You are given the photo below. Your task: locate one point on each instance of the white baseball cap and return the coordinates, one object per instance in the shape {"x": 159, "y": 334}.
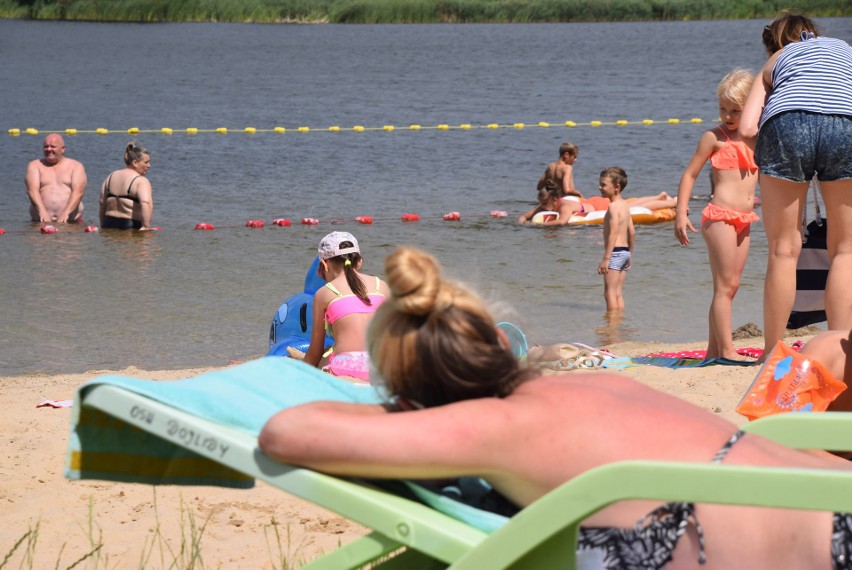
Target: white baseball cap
{"x": 330, "y": 246}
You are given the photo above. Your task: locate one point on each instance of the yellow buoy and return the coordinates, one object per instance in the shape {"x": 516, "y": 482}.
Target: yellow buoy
{"x": 222, "y": 130}
{"x": 192, "y": 131}
{"x": 596, "y": 123}
{"x": 358, "y": 128}
{"x": 464, "y": 126}
{"x": 304, "y": 129}
{"x": 543, "y": 124}
{"x": 250, "y": 130}
{"x": 695, "y": 120}
{"x": 14, "y": 132}
{"x": 443, "y": 127}
{"x": 32, "y": 131}
{"x": 674, "y": 121}
{"x": 166, "y": 131}
{"x": 101, "y": 131}
{"x": 493, "y": 126}
{"x": 280, "y": 130}
{"x": 388, "y": 128}
{"x": 70, "y": 131}
{"x": 622, "y": 122}
{"x": 647, "y": 121}
{"x": 133, "y": 130}
{"x": 334, "y": 129}
{"x": 519, "y": 125}
{"x": 570, "y": 124}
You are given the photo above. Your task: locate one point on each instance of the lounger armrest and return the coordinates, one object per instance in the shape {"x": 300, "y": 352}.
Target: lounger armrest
{"x": 814, "y": 430}
{"x": 546, "y": 531}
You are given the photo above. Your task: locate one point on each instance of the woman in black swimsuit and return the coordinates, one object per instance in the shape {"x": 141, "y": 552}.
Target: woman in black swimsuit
{"x": 463, "y": 405}
{"x": 125, "y": 201}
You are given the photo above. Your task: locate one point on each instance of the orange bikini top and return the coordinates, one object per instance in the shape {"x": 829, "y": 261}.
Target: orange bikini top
{"x": 734, "y": 155}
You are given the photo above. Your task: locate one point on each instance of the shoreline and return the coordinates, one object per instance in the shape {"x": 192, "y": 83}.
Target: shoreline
{"x": 237, "y": 527}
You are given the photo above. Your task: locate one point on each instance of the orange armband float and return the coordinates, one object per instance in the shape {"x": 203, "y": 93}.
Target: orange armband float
{"x": 789, "y": 382}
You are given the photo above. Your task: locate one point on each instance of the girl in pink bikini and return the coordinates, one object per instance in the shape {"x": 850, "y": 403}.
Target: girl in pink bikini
{"x": 345, "y": 305}
{"x": 726, "y": 221}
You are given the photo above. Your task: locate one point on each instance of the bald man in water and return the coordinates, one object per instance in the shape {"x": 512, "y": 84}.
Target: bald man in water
{"x": 55, "y": 184}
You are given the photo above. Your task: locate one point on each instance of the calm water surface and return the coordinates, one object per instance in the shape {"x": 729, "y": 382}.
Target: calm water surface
{"x": 76, "y": 301}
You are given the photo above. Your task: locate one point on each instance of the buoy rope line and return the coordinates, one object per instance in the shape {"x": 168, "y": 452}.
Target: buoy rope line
{"x": 286, "y": 222}
{"x": 15, "y": 132}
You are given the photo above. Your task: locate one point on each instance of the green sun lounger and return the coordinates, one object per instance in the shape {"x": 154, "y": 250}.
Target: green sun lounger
{"x": 174, "y": 436}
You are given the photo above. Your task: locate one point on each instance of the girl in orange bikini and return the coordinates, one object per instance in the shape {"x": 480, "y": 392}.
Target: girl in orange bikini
{"x": 726, "y": 221}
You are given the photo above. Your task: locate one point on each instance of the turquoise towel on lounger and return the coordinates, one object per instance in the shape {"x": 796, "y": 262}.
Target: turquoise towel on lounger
{"x": 245, "y": 397}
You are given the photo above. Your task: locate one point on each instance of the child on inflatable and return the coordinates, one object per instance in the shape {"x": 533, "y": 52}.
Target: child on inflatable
{"x": 550, "y": 201}
{"x": 345, "y": 305}
{"x": 726, "y": 221}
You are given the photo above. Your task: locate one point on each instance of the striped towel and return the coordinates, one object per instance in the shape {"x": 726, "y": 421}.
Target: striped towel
{"x": 244, "y": 397}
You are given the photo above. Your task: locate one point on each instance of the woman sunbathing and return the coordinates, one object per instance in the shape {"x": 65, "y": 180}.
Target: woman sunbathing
{"x": 471, "y": 409}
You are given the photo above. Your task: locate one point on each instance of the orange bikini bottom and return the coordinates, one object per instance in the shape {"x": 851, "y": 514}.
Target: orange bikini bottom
{"x": 740, "y": 220}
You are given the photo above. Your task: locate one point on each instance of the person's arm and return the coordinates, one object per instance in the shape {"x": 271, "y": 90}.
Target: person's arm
{"x": 146, "y": 202}
{"x": 687, "y": 181}
{"x": 755, "y": 102}
{"x": 33, "y": 182}
{"x": 315, "y": 351}
{"x": 364, "y": 441}
{"x": 543, "y": 180}
{"x": 102, "y": 198}
{"x": 78, "y": 187}
{"x": 610, "y": 232}
{"x": 529, "y": 215}
{"x": 568, "y": 188}
{"x": 631, "y": 239}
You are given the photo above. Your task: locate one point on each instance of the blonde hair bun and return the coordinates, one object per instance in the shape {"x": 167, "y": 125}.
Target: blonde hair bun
{"x": 415, "y": 279}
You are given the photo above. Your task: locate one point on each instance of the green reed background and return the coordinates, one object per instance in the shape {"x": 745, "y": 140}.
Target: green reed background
{"x": 410, "y": 11}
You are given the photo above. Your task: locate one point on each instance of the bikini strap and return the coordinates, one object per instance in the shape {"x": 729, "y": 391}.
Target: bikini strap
{"x": 377, "y": 285}
{"x": 129, "y": 186}
{"x": 721, "y": 130}
{"x": 720, "y": 455}
{"x": 333, "y": 289}
{"x": 108, "y": 186}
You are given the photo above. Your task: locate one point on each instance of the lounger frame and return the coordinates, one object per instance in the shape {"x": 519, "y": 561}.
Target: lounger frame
{"x": 407, "y": 534}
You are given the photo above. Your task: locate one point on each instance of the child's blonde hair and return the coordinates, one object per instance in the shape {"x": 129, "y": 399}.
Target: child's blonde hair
{"x": 433, "y": 341}
{"x": 735, "y": 86}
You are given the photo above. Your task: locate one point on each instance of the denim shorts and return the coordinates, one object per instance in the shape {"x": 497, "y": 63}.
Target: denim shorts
{"x": 797, "y": 144}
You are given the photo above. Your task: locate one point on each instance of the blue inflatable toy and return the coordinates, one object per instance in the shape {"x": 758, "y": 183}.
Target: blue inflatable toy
{"x": 291, "y": 324}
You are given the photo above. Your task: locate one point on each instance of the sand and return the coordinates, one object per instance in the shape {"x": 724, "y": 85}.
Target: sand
{"x": 138, "y": 521}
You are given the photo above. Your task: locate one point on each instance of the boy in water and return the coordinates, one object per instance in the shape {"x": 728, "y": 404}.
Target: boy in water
{"x": 619, "y": 237}
{"x": 561, "y": 171}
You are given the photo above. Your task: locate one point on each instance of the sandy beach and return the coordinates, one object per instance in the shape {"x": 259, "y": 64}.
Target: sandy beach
{"x": 144, "y": 526}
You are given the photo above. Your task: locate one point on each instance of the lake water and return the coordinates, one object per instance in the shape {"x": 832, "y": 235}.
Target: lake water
{"x": 76, "y": 301}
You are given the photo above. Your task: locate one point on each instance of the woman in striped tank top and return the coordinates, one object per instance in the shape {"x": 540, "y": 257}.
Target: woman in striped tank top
{"x": 801, "y": 103}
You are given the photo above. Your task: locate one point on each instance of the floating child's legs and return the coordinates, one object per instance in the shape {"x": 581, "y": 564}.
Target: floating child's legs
{"x": 661, "y": 200}
{"x": 727, "y": 250}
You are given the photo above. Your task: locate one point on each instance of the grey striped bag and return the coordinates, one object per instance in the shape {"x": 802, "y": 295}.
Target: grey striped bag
{"x": 811, "y": 272}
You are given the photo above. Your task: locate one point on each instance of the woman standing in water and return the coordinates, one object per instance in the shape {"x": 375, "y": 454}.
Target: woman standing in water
{"x": 126, "y": 202}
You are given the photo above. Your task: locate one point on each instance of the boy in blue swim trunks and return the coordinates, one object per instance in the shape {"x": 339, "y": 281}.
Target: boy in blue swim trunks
{"x": 619, "y": 237}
